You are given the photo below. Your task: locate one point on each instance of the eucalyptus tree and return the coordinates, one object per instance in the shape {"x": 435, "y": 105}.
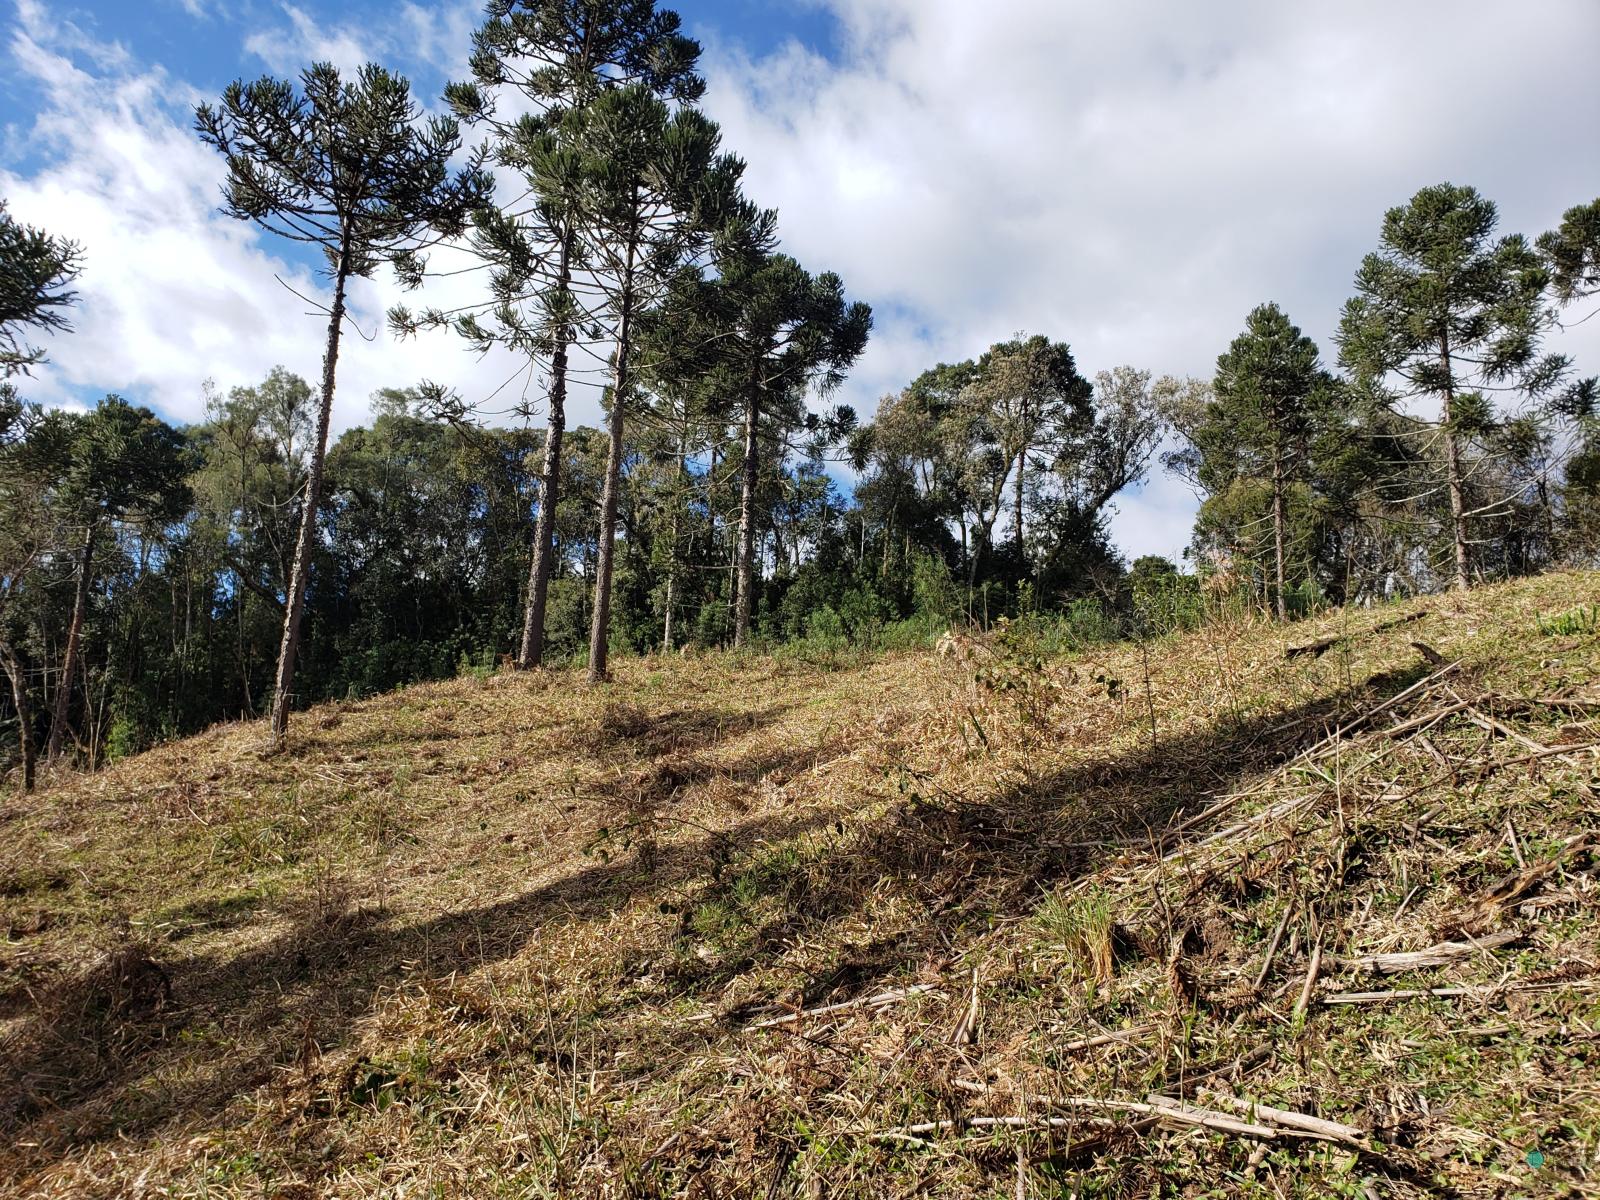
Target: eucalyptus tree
{"x": 1127, "y": 421}
{"x": 553, "y": 57}
{"x": 1032, "y": 398}
{"x": 656, "y": 189}
{"x": 1447, "y": 312}
{"x": 1272, "y": 399}
{"x": 35, "y": 446}
{"x": 969, "y": 446}
{"x": 123, "y": 465}
{"x": 36, "y": 273}
{"x": 349, "y": 169}
{"x": 908, "y": 481}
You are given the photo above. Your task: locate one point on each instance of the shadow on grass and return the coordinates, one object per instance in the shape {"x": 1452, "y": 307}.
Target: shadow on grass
{"x": 964, "y": 862}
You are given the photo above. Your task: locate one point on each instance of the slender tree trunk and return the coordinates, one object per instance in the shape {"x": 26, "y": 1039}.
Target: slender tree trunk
{"x": 600, "y": 629}
{"x": 966, "y": 561}
{"x": 1547, "y": 514}
{"x": 1452, "y": 458}
{"x": 672, "y": 547}
{"x": 1277, "y": 531}
{"x": 300, "y": 573}
{"x": 542, "y": 567}
{"x": 19, "y": 701}
{"x": 1022, "y": 468}
{"x": 747, "y": 521}
{"x": 80, "y": 604}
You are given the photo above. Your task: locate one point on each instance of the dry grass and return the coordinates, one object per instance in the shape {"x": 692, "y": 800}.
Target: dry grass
{"x": 520, "y": 937}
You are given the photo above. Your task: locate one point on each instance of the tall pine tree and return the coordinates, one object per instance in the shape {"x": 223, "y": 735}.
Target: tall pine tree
{"x": 1271, "y": 401}
{"x": 349, "y": 169}
{"x": 1447, "y": 312}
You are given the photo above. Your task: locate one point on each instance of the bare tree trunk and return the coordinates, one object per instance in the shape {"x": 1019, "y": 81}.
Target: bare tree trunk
{"x": 301, "y": 572}
{"x": 1277, "y": 531}
{"x": 80, "y": 603}
{"x": 600, "y": 629}
{"x": 19, "y": 701}
{"x": 1022, "y": 469}
{"x": 542, "y": 567}
{"x": 747, "y": 522}
{"x": 672, "y": 548}
{"x": 1452, "y": 458}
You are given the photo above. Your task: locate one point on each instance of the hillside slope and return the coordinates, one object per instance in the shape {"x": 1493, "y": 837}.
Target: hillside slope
{"x": 986, "y": 922}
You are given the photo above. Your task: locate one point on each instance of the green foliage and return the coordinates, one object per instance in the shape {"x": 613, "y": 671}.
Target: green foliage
{"x": 1572, "y": 253}
{"x": 1082, "y": 927}
{"x": 347, "y": 166}
{"x": 1447, "y": 311}
{"x": 1585, "y": 619}
{"x": 36, "y": 271}
{"x": 1164, "y": 601}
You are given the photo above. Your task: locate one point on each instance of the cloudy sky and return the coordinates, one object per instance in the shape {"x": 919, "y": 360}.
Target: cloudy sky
{"x": 1129, "y": 177}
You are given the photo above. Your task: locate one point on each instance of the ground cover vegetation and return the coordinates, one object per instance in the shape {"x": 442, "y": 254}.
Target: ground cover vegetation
{"x": 1250, "y": 910}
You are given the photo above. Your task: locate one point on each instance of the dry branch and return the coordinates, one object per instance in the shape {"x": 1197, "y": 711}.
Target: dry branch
{"x": 880, "y": 1000}
{"x": 1441, "y": 955}
{"x": 1322, "y": 645}
{"x": 1485, "y": 991}
{"x": 1333, "y": 1130}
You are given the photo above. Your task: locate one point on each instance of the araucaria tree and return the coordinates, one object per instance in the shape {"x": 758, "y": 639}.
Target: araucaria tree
{"x": 348, "y": 168}
{"x": 1272, "y": 399}
{"x": 1572, "y": 253}
{"x": 35, "y": 271}
{"x": 555, "y": 57}
{"x": 655, "y": 191}
{"x": 777, "y": 332}
{"x": 1447, "y": 313}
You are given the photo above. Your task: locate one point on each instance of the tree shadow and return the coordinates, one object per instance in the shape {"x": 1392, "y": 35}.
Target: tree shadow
{"x": 970, "y": 861}
{"x": 965, "y": 860}
{"x": 85, "y": 1063}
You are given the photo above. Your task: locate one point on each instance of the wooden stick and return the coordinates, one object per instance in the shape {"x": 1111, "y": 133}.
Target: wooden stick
{"x": 967, "y": 1027}
{"x": 880, "y": 1000}
{"x": 1452, "y": 993}
{"x": 1161, "y": 1108}
{"x": 1294, "y": 1120}
{"x": 1272, "y": 948}
{"x": 1311, "y": 982}
{"x": 1516, "y": 846}
{"x": 1485, "y": 721}
{"x": 1104, "y": 1039}
{"x": 1205, "y": 1118}
{"x": 1440, "y": 955}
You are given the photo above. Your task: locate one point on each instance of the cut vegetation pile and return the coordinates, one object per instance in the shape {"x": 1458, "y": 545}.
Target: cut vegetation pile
{"x": 1201, "y": 916}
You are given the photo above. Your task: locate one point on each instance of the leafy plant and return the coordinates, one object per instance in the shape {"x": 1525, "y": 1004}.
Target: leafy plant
{"x": 1583, "y": 619}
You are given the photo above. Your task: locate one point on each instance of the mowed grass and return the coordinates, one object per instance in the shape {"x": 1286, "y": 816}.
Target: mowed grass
{"x": 517, "y": 936}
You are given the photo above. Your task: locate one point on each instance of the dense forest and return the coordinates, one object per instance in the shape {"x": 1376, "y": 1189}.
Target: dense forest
{"x": 155, "y": 580}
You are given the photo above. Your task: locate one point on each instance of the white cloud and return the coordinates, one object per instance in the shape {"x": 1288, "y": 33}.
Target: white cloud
{"x": 1134, "y": 178}
{"x": 172, "y": 291}
{"x": 437, "y": 36}
{"x": 288, "y": 49}
{"x": 1131, "y": 178}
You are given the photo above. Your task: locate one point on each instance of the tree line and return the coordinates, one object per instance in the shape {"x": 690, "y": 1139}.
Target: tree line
{"x": 154, "y": 580}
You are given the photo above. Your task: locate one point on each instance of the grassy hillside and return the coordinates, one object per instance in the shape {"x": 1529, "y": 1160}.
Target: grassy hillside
{"x": 987, "y": 922}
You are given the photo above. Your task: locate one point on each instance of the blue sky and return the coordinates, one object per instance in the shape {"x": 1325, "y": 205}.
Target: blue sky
{"x": 1131, "y": 178}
